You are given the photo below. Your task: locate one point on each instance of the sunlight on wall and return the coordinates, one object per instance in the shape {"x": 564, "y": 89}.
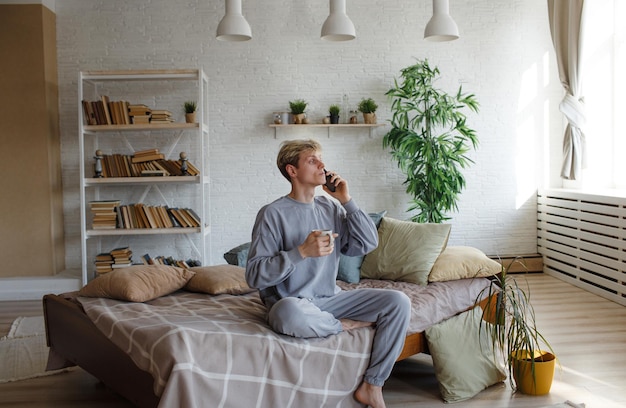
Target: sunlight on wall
{"x": 545, "y": 131}
{"x": 527, "y": 129}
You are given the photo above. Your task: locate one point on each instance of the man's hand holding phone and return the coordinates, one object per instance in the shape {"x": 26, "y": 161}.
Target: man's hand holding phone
{"x": 337, "y": 187}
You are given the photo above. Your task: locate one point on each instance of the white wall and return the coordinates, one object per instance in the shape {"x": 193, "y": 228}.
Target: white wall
{"x": 503, "y": 56}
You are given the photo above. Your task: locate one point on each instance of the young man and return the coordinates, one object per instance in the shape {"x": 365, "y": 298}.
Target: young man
{"x": 295, "y": 267}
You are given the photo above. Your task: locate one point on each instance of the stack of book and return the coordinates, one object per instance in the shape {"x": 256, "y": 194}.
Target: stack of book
{"x": 104, "y": 214}
{"x": 161, "y": 116}
{"x": 122, "y": 257}
{"x": 104, "y": 262}
{"x": 139, "y": 114}
{"x": 142, "y": 156}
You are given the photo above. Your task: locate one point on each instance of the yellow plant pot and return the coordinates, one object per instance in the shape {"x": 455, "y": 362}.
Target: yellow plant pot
{"x": 543, "y": 366}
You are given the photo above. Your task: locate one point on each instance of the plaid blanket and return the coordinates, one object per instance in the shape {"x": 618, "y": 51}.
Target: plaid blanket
{"x": 218, "y": 351}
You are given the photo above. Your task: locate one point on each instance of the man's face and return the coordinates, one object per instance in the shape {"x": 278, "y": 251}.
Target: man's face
{"x": 310, "y": 168}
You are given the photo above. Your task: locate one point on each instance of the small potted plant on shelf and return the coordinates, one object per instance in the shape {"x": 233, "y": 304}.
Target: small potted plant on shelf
{"x": 333, "y": 110}
{"x": 368, "y": 107}
{"x": 525, "y": 352}
{"x": 298, "y": 107}
{"x": 190, "y": 111}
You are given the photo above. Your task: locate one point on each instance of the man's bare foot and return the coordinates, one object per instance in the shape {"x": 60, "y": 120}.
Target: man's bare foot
{"x": 370, "y": 395}
{"x": 348, "y": 324}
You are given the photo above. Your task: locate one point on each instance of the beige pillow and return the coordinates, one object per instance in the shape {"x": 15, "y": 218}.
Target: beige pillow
{"x": 138, "y": 283}
{"x": 462, "y": 262}
{"x": 219, "y": 279}
{"x": 406, "y": 251}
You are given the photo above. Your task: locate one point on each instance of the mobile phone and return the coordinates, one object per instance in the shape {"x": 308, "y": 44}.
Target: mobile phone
{"x": 329, "y": 185}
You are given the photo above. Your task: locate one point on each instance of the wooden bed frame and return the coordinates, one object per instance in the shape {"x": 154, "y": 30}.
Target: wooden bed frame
{"x": 73, "y": 339}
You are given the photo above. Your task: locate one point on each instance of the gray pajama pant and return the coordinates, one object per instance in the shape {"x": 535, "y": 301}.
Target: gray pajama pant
{"x": 390, "y": 310}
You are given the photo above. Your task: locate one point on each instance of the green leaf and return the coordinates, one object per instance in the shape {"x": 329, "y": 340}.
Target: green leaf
{"x": 429, "y": 139}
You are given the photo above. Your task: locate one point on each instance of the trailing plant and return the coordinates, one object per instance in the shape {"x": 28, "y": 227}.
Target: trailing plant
{"x": 513, "y": 334}
{"x": 190, "y": 106}
{"x": 429, "y": 138}
{"x": 297, "y": 106}
{"x": 334, "y": 110}
{"x": 367, "y": 105}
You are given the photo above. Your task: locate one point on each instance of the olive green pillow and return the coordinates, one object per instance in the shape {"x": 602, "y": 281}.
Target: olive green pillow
{"x": 463, "y": 356}
{"x": 138, "y": 283}
{"x": 463, "y": 262}
{"x": 406, "y": 251}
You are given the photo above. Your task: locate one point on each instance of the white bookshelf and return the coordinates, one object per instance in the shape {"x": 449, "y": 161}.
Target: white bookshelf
{"x": 158, "y": 89}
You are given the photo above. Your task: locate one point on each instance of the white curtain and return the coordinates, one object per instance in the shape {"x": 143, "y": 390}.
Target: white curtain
{"x": 566, "y": 18}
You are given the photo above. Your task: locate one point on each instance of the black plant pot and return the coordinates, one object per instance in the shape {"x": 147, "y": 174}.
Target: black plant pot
{"x": 334, "y": 119}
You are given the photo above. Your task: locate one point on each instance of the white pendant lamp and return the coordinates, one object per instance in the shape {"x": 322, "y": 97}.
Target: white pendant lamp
{"x": 233, "y": 26}
{"x": 441, "y": 26}
{"x": 338, "y": 26}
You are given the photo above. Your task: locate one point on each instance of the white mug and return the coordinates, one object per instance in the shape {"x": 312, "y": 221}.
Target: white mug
{"x": 327, "y": 232}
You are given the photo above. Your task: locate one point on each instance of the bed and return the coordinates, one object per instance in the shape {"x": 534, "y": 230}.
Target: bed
{"x": 231, "y": 357}
{"x": 199, "y": 337}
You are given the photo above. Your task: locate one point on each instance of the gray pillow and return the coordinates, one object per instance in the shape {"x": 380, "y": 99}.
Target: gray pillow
{"x": 238, "y": 255}
{"x": 350, "y": 266}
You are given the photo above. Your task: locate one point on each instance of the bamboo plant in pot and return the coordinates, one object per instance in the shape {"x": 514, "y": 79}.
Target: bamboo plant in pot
{"x": 430, "y": 140}
{"x": 525, "y": 352}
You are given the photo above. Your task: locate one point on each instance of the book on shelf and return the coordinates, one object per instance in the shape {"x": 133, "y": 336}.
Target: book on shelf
{"x": 137, "y": 110}
{"x": 140, "y": 120}
{"x": 127, "y": 119}
{"x": 161, "y": 116}
{"x": 121, "y": 257}
{"x": 147, "y": 157}
{"x": 88, "y": 113}
{"x": 107, "y": 113}
{"x": 104, "y": 214}
{"x": 146, "y": 152}
{"x": 194, "y": 216}
{"x": 141, "y": 216}
{"x": 104, "y": 204}
{"x": 103, "y": 262}
{"x": 146, "y": 259}
{"x": 108, "y": 261}
{"x": 120, "y": 165}
{"x": 139, "y": 114}
{"x": 154, "y": 173}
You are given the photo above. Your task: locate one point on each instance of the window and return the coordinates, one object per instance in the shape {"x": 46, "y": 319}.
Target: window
{"x": 604, "y": 83}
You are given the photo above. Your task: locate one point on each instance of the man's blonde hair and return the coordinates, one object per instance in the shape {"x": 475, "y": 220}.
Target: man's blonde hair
{"x": 290, "y": 153}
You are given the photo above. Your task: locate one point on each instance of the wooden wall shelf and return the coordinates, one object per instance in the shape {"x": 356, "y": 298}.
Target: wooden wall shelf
{"x": 371, "y": 127}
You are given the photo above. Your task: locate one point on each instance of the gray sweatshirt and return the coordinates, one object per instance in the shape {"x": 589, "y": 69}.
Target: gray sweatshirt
{"x": 274, "y": 264}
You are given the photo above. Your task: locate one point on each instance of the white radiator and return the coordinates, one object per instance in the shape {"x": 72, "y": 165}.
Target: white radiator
{"x": 582, "y": 238}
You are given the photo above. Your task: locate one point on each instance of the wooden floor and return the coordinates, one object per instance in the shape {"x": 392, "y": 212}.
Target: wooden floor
{"x": 587, "y": 332}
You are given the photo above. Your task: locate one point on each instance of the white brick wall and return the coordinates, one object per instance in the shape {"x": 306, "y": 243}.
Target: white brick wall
{"x": 504, "y": 56}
